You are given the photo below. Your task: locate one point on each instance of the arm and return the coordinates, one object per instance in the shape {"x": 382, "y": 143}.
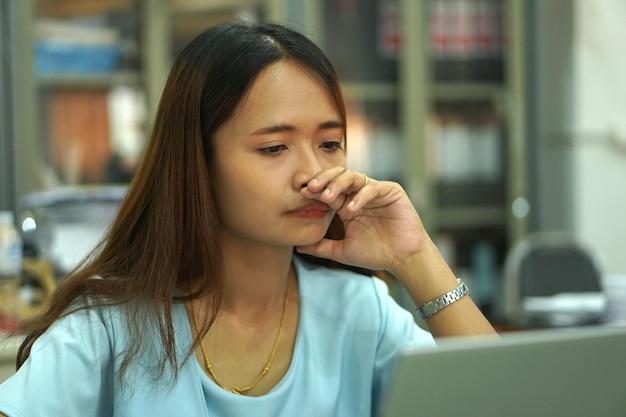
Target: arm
{"x": 383, "y": 231}
{"x": 426, "y": 276}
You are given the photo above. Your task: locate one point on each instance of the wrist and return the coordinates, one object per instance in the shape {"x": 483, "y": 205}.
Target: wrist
{"x": 430, "y": 308}
{"x": 425, "y": 274}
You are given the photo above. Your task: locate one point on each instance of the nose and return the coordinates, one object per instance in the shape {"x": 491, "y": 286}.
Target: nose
{"x": 307, "y": 165}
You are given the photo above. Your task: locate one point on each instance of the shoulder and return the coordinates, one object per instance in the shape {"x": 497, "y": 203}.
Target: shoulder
{"x": 83, "y": 330}
{"x": 81, "y": 321}
{"x": 103, "y": 330}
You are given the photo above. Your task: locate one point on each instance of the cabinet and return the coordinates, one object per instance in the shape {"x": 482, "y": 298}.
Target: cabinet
{"x": 474, "y": 212}
{"x": 98, "y": 70}
{"x": 474, "y": 209}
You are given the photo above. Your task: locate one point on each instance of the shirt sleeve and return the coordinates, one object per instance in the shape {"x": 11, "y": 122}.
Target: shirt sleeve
{"x": 398, "y": 330}
{"x": 66, "y": 374}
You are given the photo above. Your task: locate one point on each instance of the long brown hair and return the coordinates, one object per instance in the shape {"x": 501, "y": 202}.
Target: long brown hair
{"x": 163, "y": 248}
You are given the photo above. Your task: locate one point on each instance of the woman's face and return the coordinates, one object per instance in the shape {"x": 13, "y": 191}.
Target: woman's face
{"x": 284, "y": 131}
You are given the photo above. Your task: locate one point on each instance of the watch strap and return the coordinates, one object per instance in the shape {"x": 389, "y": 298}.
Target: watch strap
{"x": 433, "y": 306}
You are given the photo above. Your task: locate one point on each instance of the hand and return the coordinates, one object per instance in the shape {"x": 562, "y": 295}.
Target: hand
{"x": 384, "y": 232}
{"x": 381, "y": 225}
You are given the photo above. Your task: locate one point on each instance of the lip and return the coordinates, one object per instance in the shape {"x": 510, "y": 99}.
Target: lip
{"x": 313, "y": 210}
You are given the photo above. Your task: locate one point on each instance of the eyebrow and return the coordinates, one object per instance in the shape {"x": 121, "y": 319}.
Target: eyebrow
{"x": 331, "y": 124}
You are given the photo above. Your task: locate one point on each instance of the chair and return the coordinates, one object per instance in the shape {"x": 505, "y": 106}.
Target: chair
{"x": 551, "y": 279}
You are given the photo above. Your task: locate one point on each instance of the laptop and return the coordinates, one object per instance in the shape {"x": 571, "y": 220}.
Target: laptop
{"x": 566, "y": 373}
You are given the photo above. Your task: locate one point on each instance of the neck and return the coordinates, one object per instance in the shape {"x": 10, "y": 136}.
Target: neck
{"x": 255, "y": 279}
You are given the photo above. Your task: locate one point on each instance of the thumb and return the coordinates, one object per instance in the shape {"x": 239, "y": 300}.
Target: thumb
{"x": 325, "y": 248}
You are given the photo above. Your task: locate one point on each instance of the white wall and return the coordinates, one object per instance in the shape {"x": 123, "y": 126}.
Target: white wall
{"x": 599, "y": 129}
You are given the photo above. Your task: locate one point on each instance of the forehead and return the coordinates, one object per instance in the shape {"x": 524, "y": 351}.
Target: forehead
{"x": 285, "y": 87}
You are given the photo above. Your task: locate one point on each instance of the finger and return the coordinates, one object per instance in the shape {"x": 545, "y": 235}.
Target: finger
{"x": 332, "y": 186}
{"x": 352, "y": 188}
{"x": 320, "y": 181}
{"x": 366, "y": 194}
{"x": 347, "y": 182}
{"x": 334, "y": 203}
{"x": 325, "y": 248}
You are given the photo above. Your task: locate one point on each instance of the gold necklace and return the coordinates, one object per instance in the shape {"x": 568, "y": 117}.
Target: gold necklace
{"x": 266, "y": 368}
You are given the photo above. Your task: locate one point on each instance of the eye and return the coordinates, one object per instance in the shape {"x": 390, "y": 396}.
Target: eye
{"x": 332, "y": 145}
{"x": 273, "y": 150}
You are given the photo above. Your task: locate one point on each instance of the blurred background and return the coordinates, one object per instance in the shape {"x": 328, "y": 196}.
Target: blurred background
{"x": 503, "y": 119}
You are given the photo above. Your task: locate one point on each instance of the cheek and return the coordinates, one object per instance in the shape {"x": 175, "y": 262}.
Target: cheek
{"x": 226, "y": 184}
{"x": 238, "y": 185}
{"x": 236, "y": 202}
{"x": 338, "y": 159}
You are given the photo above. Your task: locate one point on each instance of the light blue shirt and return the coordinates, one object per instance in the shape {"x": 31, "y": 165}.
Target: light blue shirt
{"x": 349, "y": 333}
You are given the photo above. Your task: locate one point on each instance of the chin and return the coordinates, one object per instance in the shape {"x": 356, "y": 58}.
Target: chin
{"x": 310, "y": 237}
{"x": 309, "y": 241}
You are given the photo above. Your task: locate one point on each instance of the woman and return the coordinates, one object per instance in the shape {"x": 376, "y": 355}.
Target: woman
{"x": 195, "y": 303}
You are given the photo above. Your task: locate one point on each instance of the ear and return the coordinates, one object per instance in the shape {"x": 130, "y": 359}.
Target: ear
{"x": 335, "y": 229}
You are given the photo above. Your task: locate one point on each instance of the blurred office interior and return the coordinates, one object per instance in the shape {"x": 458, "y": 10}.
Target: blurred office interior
{"x": 503, "y": 119}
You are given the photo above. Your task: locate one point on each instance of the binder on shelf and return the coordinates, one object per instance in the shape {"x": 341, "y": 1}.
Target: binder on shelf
{"x": 467, "y": 40}
{"x": 466, "y": 152}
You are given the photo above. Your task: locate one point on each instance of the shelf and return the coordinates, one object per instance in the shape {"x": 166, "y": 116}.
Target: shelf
{"x": 370, "y": 91}
{"x": 89, "y": 81}
{"x": 185, "y": 7}
{"x": 467, "y": 91}
{"x": 470, "y": 216}
{"x": 66, "y": 8}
